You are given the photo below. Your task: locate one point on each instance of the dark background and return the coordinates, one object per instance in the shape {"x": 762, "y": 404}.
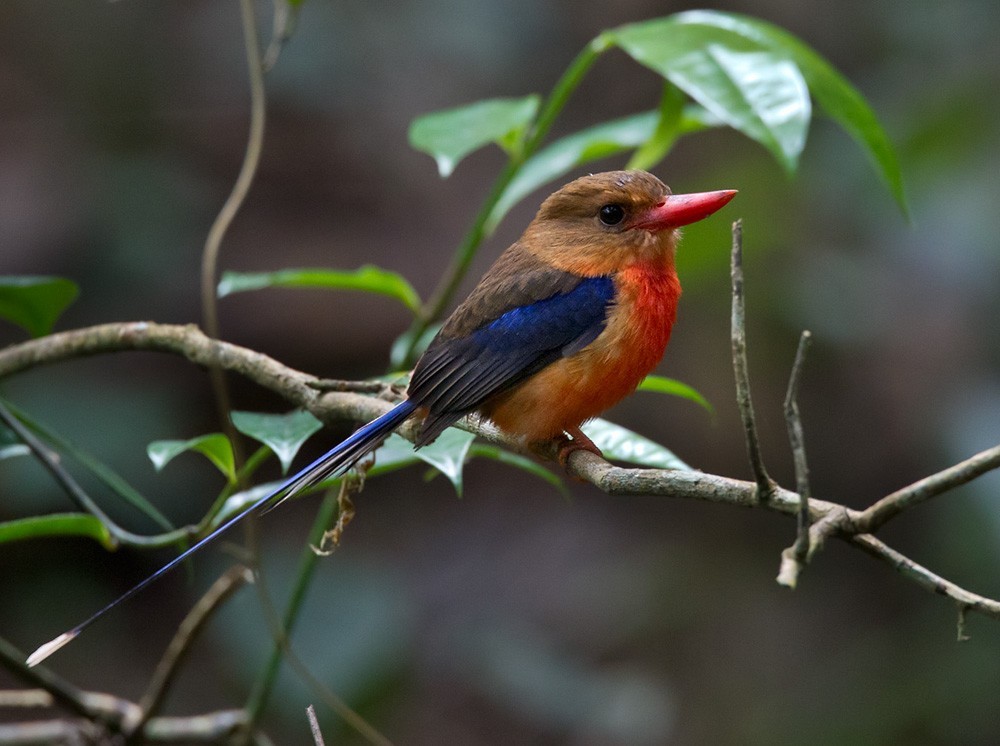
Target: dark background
{"x": 513, "y": 615}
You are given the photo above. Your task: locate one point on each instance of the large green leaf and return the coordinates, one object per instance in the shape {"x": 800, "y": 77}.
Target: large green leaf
{"x": 448, "y": 136}
{"x": 368, "y": 279}
{"x": 59, "y": 524}
{"x": 673, "y": 387}
{"x": 752, "y": 88}
{"x": 587, "y": 145}
{"x": 284, "y": 434}
{"x": 35, "y": 303}
{"x": 215, "y": 447}
{"x": 622, "y": 444}
{"x": 840, "y": 100}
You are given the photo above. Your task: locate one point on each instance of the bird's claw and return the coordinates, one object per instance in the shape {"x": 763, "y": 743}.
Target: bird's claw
{"x": 578, "y": 442}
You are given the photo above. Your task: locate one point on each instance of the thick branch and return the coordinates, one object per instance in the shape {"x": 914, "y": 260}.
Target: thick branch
{"x": 827, "y": 518}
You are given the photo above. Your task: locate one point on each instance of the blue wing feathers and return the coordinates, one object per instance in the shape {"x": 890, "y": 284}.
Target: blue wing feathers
{"x": 457, "y": 375}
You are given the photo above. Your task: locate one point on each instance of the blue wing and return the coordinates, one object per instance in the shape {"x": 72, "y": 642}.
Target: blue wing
{"x": 456, "y": 375}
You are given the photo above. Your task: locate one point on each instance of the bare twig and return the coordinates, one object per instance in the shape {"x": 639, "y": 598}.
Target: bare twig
{"x": 794, "y": 557}
{"x": 227, "y": 584}
{"x": 892, "y": 505}
{"x": 765, "y": 485}
{"x": 317, "y": 734}
{"x": 213, "y": 242}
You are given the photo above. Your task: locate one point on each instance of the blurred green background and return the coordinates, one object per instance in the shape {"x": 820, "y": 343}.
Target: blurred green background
{"x": 514, "y": 615}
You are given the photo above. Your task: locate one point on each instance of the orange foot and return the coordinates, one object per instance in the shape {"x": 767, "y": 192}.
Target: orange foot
{"x": 579, "y": 442}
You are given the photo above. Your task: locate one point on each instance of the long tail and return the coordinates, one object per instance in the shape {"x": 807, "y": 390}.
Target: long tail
{"x": 339, "y": 458}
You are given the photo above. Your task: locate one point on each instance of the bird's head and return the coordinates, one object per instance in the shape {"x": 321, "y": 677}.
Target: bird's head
{"x": 602, "y": 222}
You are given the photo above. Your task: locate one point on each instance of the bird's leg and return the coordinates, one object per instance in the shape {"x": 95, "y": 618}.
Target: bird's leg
{"x": 575, "y": 440}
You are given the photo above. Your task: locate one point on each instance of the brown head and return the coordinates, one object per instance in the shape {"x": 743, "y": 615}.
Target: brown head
{"x": 600, "y": 223}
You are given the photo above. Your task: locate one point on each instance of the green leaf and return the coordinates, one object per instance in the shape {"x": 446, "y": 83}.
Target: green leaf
{"x": 448, "y": 136}
{"x": 755, "y": 90}
{"x": 284, "y": 434}
{"x": 447, "y": 454}
{"x": 521, "y": 462}
{"x": 368, "y": 279}
{"x": 624, "y": 445}
{"x": 215, "y": 447}
{"x": 841, "y": 101}
{"x": 673, "y": 387}
{"x": 59, "y": 524}
{"x": 10, "y": 444}
{"x": 590, "y": 144}
{"x": 655, "y": 149}
{"x": 35, "y": 303}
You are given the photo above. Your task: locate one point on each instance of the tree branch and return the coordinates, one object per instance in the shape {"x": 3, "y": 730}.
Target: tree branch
{"x": 765, "y": 485}
{"x": 827, "y": 518}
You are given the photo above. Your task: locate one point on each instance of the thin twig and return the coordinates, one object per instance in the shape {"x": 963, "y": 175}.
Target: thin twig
{"x": 67, "y": 695}
{"x": 317, "y": 734}
{"x": 282, "y": 628}
{"x": 213, "y": 242}
{"x": 765, "y": 485}
{"x": 51, "y": 460}
{"x": 794, "y": 557}
{"x": 891, "y": 505}
{"x": 227, "y": 584}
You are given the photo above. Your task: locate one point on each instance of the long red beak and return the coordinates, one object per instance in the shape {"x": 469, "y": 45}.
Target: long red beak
{"x": 682, "y": 209}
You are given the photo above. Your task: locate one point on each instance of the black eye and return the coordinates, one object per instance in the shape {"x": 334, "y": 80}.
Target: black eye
{"x": 611, "y": 214}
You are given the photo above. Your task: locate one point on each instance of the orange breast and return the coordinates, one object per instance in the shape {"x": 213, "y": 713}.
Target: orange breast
{"x": 580, "y": 387}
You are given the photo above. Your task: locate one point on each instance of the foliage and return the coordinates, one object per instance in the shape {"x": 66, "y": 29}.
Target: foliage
{"x": 718, "y": 70}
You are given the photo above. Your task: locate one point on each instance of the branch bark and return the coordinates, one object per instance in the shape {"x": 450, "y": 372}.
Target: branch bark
{"x": 827, "y": 518}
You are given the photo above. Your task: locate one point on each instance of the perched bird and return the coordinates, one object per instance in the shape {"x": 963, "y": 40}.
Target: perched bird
{"x": 566, "y": 323}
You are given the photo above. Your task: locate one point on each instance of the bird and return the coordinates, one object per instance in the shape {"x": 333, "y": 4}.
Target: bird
{"x": 566, "y": 323}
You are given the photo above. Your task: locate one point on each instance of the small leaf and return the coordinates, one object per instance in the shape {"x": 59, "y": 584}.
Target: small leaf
{"x": 35, "y": 303}
{"x": 395, "y": 453}
{"x": 215, "y": 447}
{"x": 619, "y": 443}
{"x": 59, "y": 524}
{"x": 753, "y": 89}
{"x": 16, "y": 449}
{"x": 284, "y": 434}
{"x": 10, "y": 444}
{"x": 448, "y": 136}
{"x": 447, "y": 454}
{"x": 367, "y": 279}
{"x": 521, "y": 462}
{"x": 587, "y": 145}
{"x": 673, "y": 387}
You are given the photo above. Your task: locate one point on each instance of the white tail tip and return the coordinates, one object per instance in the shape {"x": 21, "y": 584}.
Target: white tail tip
{"x": 50, "y": 647}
